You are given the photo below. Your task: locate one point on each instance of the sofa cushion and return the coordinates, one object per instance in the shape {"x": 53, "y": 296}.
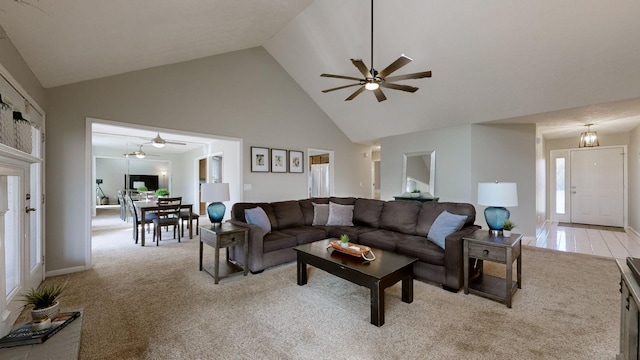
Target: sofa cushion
{"x": 366, "y": 212}
{"x": 431, "y": 210}
{"x": 383, "y": 239}
{"x": 446, "y": 223}
{"x": 307, "y": 210}
{"x": 237, "y": 212}
{"x": 277, "y": 240}
{"x": 306, "y": 234}
{"x": 340, "y": 215}
{"x": 400, "y": 216}
{"x": 258, "y": 217}
{"x": 320, "y": 214}
{"x": 424, "y": 250}
{"x": 288, "y": 214}
{"x": 352, "y": 231}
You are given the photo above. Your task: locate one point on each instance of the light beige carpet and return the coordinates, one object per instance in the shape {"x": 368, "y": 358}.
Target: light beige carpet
{"x": 153, "y": 303}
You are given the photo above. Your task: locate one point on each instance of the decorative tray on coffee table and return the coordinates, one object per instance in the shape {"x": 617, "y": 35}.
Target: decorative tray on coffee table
{"x": 354, "y": 250}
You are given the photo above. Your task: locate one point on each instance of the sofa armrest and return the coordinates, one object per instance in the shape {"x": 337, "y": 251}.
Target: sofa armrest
{"x": 256, "y": 237}
{"x": 454, "y": 267}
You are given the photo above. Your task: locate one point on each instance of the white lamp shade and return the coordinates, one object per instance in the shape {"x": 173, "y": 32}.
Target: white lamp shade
{"x": 498, "y": 194}
{"x": 214, "y": 192}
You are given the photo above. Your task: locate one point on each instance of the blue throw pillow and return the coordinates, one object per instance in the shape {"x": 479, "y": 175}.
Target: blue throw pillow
{"x": 446, "y": 223}
{"x": 258, "y": 217}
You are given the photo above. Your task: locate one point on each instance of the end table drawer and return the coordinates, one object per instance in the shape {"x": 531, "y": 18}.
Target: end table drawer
{"x": 487, "y": 252}
{"x": 231, "y": 239}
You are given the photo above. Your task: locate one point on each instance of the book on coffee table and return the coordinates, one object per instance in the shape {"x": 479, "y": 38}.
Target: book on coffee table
{"x": 24, "y": 335}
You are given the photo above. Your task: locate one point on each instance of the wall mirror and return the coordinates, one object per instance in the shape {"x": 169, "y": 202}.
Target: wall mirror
{"x": 419, "y": 172}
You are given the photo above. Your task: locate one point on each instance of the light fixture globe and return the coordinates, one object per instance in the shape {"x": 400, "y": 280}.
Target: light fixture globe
{"x": 158, "y": 142}
{"x": 371, "y": 85}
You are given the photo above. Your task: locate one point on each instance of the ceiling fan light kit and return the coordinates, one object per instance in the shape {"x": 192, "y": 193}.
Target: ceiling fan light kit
{"x": 374, "y": 80}
{"x": 159, "y": 142}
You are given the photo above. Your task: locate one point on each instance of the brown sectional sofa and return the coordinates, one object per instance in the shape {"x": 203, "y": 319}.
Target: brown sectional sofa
{"x": 399, "y": 226}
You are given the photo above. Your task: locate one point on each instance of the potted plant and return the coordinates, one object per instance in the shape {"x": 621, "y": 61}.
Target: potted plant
{"x": 44, "y": 300}
{"x": 344, "y": 240}
{"x": 142, "y": 188}
{"x": 415, "y": 193}
{"x": 507, "y": 226}
{"x": 162, "y": 192}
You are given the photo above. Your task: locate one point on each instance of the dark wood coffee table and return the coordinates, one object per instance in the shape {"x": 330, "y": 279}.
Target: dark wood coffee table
{"x": 387, "y": 269}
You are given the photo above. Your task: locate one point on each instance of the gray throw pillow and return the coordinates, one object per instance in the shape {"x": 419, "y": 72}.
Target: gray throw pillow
{"x": 258, "y": 217}
{"x": 340, "y": 215}
{"x": 320, "y": 214}
{"x": 446, "y": 223}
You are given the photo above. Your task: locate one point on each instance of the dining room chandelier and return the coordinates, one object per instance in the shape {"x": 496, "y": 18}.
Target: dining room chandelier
{"x": 589, "y": 138}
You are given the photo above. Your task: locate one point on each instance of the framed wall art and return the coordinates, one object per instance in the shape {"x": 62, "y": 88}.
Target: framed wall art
{"x": 259, "y": 159}
{"x": 296, "y": 161}
{"x": 278, "y": 160}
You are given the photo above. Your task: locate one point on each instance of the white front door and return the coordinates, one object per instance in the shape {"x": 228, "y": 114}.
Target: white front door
{"x": 597, "y": 186}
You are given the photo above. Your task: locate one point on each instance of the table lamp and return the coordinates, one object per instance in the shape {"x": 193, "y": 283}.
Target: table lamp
{"x": 215, "y": 194}
{"x": 497, "y": 196}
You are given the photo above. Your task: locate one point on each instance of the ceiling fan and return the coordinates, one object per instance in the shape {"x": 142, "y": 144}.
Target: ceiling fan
{"x": 159, "y": 142}
{"x": 138, "y": 153}
{"x": 374, "y": 80}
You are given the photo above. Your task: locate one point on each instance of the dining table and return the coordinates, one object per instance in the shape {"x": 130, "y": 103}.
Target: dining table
{"x": 149, "y": 206}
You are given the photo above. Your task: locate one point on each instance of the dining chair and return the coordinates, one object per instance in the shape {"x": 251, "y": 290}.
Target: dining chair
{"x": 184, "y": 216}
{"x": 123, "y": 206}
{"x": 137, "y": 219}
{"x": 168, "y": 215}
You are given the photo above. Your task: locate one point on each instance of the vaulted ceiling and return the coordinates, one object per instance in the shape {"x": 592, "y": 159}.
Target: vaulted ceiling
{"x": 562, "y": 63}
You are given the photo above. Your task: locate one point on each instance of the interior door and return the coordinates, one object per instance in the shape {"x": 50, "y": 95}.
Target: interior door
{"x": 597, "y": 186}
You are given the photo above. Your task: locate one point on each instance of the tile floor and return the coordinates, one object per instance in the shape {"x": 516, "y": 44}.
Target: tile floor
{"x": 613, "y": 244}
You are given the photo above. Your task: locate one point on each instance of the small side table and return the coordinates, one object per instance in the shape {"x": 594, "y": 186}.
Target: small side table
{"x": 480, "y": 245}
{"x": 224, "y": 236}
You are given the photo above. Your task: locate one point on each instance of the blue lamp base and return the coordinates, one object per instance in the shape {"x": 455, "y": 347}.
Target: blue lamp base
{"x": 216, "y": 212}
{"x": 496, "y": 216}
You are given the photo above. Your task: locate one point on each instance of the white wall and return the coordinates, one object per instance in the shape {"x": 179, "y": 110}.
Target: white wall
{"x": 506, "y": 153}
{"x": 541, "y": 182}
{"x": 452, "y": 165}
{"x": 634, "y": 179}
{"x": 244, "y": 95}
{"x": 466, "y": 155}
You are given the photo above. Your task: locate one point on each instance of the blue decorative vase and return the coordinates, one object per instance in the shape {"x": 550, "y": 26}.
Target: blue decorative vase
{"x": 216, "y": 212}
{"x": 496, "y": 216}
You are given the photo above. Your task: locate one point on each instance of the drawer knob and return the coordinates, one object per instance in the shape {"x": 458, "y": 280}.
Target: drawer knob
{"x": 485, "y": 252}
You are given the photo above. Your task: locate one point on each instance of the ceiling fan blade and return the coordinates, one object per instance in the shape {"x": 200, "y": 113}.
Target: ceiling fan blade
{"x": 418, "y": 75}
{"x": 362, "y": 67}
{"x": 174, "y": 142}
{"x": 379, "y": 95}
{"x": 399, "y": 87}
{"x": 356, "y": 93}
{"x": 340, "y": 87}
{"x": 402, "y": 61}
{"x": 340, "y": 77}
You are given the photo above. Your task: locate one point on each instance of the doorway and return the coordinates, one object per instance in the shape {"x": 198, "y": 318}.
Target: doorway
{"x": 589, "y": 186}
{"x": 320, "y": 181}
{"x": 215, "y": 176}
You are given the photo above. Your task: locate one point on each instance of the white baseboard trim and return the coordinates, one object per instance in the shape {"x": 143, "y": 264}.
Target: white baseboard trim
{"x": 634, "y": 231}
{"x": 65, "y": 271}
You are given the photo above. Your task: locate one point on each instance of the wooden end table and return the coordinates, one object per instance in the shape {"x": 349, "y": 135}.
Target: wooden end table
{"x": 482, "y": 246}
{"x": 224, "y": 236}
